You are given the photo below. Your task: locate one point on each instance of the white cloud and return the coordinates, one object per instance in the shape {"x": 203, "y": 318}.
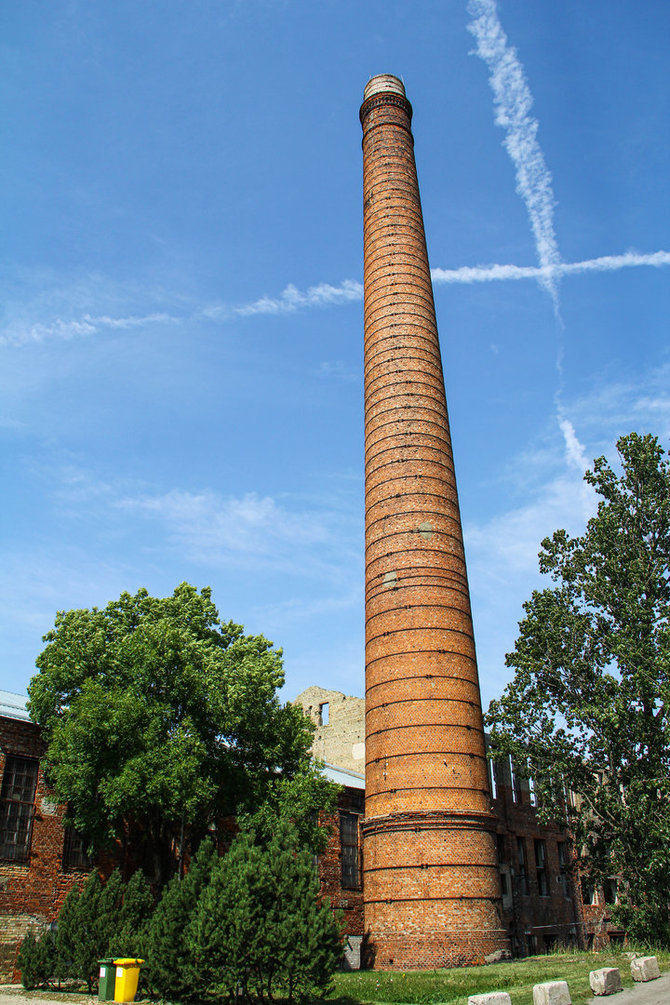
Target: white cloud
{"x": 293, "y": 299}
{"x": 217, "y": 530}
{"x": 513, "y": 101}
{"x": 19, "y": 333}
{"x": 335, "y": 368}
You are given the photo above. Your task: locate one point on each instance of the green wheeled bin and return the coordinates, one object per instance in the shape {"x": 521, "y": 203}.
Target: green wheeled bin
{"x": 107, "y": 980}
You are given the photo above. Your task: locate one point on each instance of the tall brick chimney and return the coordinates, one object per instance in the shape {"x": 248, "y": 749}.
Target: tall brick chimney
{"x": 432, "y": 890}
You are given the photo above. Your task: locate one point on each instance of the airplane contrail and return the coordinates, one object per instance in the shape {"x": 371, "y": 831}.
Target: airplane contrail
{"x": 513, "y": 101}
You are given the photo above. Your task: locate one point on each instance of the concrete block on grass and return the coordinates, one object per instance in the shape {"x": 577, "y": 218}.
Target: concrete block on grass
{"x": 605, "y": 981}
{"x": 551, "y": 993}
{"x": 490, "y": 998}
{"x": 644, "y": 968}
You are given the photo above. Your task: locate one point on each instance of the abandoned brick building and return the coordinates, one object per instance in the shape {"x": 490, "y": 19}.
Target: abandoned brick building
{"x": 542, "y": 903}
{"x": 40, "y": 860}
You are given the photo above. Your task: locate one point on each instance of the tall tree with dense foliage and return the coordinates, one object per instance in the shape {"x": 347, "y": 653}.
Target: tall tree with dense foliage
{"x": 588, "y": 709}
{"x": 160, "y": 720}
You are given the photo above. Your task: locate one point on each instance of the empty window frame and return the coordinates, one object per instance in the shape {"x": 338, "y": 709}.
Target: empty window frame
{"x": 17, "y": 800}
{"x": 493, "y": 781}
{"x": 541, "y": 867}
{"x": 610, "y": 890}
{"x": 515, "y": 782}
{"x": 588, "y": 892}
{"x": 563, "y": 868}
{"x": 521, "y": 859}
{"x": 351, "y": 872}
{"x": 324, "y": 713}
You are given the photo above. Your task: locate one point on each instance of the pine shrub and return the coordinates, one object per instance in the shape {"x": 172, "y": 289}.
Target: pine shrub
{"x": 168, "y": 970}
{"x": 128, "y": 921}
{"x": 259, "y": 928}
{"x": 37, "y": 959}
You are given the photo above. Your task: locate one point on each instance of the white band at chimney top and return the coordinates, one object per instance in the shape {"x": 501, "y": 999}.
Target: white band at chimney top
{"x": 383, "y": 83}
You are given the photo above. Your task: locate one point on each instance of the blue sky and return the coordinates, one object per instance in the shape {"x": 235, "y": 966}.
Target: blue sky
{"x": 181, "y": 321}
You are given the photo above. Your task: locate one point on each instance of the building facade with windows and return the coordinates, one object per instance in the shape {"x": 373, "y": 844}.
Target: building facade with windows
{"x": 40, "y": 859}
{"x": 543, "y": 902}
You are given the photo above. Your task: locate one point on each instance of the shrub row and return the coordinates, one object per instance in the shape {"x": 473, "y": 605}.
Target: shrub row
{"x": 248, "y": 924}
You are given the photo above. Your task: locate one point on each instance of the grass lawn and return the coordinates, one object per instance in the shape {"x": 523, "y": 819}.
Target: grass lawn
{"x": 452, "y": 987}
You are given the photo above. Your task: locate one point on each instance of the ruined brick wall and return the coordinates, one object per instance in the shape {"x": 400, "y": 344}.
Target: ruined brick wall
{"x": 31, "y": 893}
{"x": 541, "y": 899}
{"x": 349, "y": 899}
{"x": 340, "y": 739}
{"x": 432, "y": 890}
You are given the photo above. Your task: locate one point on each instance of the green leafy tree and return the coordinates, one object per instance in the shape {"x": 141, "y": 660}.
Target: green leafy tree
{"x": 160, "y": 720}
{"x": 588, "y": 708}
{"x": 169, "y": 970}
{"x": 259, "y": 927}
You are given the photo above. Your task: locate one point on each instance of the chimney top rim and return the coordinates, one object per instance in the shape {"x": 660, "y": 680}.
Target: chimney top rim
{"x": 384, "y": 83}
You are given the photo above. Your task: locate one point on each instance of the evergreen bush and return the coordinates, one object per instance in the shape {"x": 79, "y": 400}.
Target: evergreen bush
{"x": 64, "y": 948}
{"x": 101, "y": 921}
{"x": 168, "y": 970}
{"x": 128, "y": 921}
{"x": 259, "y": 928}
{"x": 37, "y": 959}
{"x": 83, "y": 935}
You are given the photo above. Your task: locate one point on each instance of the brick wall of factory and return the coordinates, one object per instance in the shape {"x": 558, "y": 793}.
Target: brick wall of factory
{"x": 31, "y": 892}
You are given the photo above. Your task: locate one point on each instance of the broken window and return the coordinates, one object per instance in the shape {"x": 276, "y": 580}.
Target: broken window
{"x": 515, "y": 782}
{"x": 563, "y": 868}
{"x": 521, "y": 856}
{"x": 17, "y": 799}
{"x": 610, "y": 890}
{"x": 351, "y": 873}
{"x": 75, "y": 855}
{"x": 541, "y": 867}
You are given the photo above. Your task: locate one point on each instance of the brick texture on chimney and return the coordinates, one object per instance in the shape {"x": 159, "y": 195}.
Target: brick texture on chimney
{"x": 431, "y": 883}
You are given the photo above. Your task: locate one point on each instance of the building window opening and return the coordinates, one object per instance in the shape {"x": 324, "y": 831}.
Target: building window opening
{"x": 588, "y": 892}
{"x": 515, "y": 782}
{"x": 17, "y": 801}
{"x": 351, "y": 873}
{"x": 610, "y": 890}
{"x": 324, "y": 713}
{"x": 563, "y": 867}
{"x": 75, "y": 855}
{"x": 541, "y": 868}
{"x": 521, "y": 858}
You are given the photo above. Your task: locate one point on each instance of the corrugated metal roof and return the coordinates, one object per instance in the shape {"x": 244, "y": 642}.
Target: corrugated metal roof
{"x": 13, "y": 706}
{"x": 341, "y": 776}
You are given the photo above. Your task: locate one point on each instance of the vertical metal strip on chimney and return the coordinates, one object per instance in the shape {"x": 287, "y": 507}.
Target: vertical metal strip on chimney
{"x": 432, "y": 893}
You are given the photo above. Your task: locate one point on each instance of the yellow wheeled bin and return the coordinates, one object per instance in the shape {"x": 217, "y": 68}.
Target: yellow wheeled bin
{"x": 127, "y": 976}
